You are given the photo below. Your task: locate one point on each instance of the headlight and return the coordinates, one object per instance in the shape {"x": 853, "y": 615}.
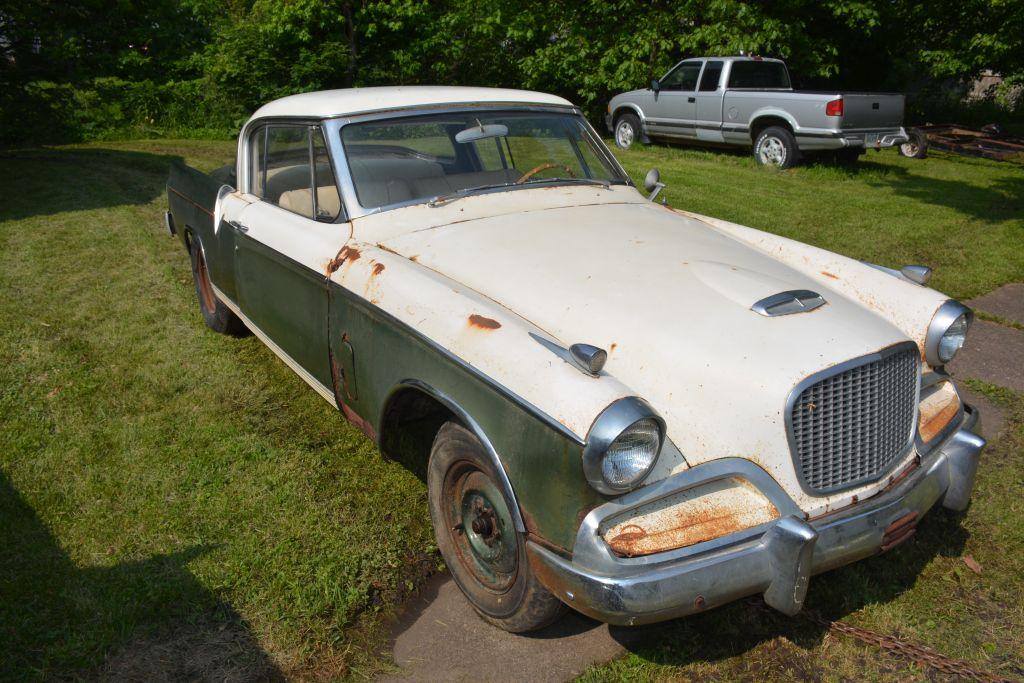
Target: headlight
{"x": 622, "y": 446}
{"x": 947, "y": 333}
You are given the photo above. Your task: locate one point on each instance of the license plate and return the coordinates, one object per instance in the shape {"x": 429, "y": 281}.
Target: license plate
{"x": 871, "y": 139}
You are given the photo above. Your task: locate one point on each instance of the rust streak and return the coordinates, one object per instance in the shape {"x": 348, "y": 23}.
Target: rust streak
{"x": 378, "y": 269}
{"x": 828, "y": 274}
{"x": 483, "y": 323}
{"x": 346, "y": 253}
{"x": 414, "y": 258}
{"x": 686, "y": 528}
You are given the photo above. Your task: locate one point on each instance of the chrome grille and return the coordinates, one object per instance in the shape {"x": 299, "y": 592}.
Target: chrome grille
{"x": 850, "y": 426}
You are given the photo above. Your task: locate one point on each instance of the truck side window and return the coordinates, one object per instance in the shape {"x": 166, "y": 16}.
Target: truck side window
{"x": 683, "y": 77}
{"x": 711, "y": 76}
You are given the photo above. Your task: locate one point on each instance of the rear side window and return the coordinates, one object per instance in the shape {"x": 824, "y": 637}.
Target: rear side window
{"x": 759, "y": 75}
{"x": 709, "y": 79}
{"x": 291, "y": 169}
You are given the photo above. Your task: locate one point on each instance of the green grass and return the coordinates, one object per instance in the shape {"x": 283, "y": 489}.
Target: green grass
{"x": 161, "y": 485}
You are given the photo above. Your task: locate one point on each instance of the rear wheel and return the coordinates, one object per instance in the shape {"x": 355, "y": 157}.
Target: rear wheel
{"x": 477, "y": 536}
{"x": 776, "y": 146}
{"x": 217, "y": 316}
{"x": 627, "y": 131}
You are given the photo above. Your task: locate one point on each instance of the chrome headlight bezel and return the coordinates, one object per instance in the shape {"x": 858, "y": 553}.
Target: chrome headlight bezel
{"x": 609, "y": 425}
{"x": 944, "y": 319}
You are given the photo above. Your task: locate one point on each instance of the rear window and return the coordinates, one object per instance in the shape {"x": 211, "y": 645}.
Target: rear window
{"x": 709, "y": 79}
{"x": 759, "y": 75}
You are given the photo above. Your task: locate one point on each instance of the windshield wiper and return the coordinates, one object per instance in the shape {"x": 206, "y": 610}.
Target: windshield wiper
{"x": 442, "y": 199}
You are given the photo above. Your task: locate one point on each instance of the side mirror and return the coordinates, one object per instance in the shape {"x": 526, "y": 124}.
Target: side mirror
{"x": 655, "y": 85}
{"x": 653, "y": 184}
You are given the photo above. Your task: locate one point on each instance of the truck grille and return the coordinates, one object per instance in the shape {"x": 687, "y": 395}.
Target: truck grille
{"x": 850, "y": 426}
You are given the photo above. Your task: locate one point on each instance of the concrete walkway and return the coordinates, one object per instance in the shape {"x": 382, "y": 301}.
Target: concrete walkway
{"x": 441, "y": 638}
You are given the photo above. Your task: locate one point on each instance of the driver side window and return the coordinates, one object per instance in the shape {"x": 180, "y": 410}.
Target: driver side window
{"x": 683, "y": 77}
{"x": 288, "y": 162}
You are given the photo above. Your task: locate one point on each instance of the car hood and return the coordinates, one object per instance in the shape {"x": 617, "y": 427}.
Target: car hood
{"x": 669, "y": 297}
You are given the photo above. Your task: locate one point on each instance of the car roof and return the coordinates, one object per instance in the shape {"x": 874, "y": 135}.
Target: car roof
{"x": 332, "y": 103}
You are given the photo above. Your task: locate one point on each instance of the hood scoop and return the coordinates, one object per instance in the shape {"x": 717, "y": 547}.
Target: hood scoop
{"x": 787, "y": 303}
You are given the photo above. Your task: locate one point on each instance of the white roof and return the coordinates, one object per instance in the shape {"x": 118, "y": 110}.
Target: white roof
{"x": 327, "y": 103}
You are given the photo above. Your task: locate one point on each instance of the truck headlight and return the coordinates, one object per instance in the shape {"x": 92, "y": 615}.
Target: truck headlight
{"x": 623, "y": 446}
{"x": 947, "y": 332}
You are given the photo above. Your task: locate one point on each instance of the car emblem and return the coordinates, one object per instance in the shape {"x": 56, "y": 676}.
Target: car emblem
{"x": 785, "y": 303}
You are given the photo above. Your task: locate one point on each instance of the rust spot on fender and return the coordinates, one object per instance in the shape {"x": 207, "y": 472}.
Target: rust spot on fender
{"x": 346, "y": 253}
{"x": 828, "y": 274}
{"x": 483, "y": 323}
{"x": 378, "y": 269}
{"x": 414, "y": 258}
{"x": 612, "y": 347}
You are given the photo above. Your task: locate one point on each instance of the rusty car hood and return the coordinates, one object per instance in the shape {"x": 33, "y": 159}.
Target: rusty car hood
{"x": 669, "y": 297}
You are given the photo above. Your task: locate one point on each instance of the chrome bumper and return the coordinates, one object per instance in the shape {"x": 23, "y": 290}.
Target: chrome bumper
{"x": 776, "y": 560}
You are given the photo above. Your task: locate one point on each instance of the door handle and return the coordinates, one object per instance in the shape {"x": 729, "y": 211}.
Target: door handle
{"x": 238, "y": 226}
{"x": 691, "y": 99}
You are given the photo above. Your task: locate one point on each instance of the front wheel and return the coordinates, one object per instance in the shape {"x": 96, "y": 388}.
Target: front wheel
{"x": 627, "y": 131}
{"x": 477, "y": 536}
{"x": 776, "y": 146}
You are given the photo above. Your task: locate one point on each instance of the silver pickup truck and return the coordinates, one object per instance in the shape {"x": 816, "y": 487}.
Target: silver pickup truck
{"x": 748, "y": 100}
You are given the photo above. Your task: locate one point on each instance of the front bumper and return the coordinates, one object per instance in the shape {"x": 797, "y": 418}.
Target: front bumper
{"x": 776, "y": 559}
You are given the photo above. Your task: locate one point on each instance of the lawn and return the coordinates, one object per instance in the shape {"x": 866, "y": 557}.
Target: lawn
{"x": 167, "y": 494}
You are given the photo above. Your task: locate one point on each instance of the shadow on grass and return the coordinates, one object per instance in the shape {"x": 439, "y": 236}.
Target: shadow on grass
{"x": 140, "y": 620}
{"x": 740, "y": 627}
{"x": 78, "y": 179}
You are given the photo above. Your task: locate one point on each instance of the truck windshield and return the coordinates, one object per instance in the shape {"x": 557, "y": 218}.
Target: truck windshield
{"x": 759, "y": 75}
{"x": 414, "y": 159}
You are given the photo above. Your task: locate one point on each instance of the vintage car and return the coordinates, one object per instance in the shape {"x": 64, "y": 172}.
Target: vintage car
{"x": 626, "y": 408}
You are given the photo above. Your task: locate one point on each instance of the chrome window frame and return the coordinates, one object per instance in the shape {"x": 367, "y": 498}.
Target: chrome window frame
{"x": 837, "y": 369}
{"x": 350, "y": 201}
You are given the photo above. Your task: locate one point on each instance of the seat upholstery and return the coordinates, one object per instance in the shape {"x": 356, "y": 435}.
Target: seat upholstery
{"x": 301, "y": 201}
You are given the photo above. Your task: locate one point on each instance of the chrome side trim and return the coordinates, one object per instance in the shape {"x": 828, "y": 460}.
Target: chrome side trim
{"x": 794, "y": 394}
{"x": 606, "y": 428}
{"x": 325, "y": 393}
{"x": 474, "y": 426}
{"x": 943, "y": 318}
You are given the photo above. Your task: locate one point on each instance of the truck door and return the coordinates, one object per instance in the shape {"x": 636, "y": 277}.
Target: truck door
{"x": 673, "y": 112}
{"x": 284, "y": 240}
{"x": 710, "y": 94}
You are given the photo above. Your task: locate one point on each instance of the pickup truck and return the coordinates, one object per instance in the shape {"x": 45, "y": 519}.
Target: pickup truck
{"x": 750, "y": 101}
{"x": 629, "y": 409}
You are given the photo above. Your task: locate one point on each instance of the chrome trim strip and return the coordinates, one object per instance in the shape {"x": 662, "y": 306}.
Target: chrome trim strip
{"x": 474, "y": 427}
{"x": 325, "y": 393}
{"x": 839, "y": 368}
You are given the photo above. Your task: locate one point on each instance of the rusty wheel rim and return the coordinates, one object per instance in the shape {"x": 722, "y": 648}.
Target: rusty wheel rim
{"x": 205, "y": 287}
{"x": 481, "y": 527}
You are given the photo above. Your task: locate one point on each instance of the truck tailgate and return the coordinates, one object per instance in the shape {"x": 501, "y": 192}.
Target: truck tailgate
{"x": 872, "y": 110}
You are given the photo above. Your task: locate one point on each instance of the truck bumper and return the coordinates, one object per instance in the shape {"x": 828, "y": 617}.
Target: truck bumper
{"x": 875, "y": 139}
{"x": 776, "y": 561}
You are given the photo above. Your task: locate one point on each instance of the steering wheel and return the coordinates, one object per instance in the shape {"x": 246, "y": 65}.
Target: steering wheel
{"x": 543, "y": 167}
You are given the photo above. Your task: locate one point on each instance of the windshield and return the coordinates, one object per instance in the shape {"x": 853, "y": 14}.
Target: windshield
{"x": 759, "y": 75}
{"x": 420, "y": 158}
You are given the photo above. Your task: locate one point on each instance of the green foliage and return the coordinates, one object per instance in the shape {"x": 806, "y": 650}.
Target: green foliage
{"x": 242, "y": 53}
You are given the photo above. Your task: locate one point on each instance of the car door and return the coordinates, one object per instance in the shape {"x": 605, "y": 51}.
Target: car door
{"x": 673, "y": 111}
{"x": 284, "y": 240}
{"x": 710, "y": 94}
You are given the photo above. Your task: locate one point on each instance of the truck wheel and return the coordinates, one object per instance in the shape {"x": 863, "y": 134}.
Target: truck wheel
{"x": 916, "y": 147}
{"x": 218, "y": 317}
{"x": 478, "y": 539}
{"x": 627, "y": 131}
{"x": 776, "y": 146}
